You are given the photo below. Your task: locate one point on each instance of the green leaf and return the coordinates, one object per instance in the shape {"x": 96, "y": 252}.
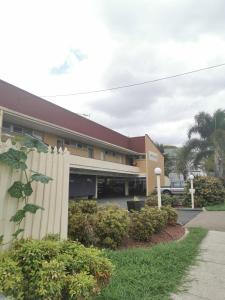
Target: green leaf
{"x": 18, "y": 231}
{"x": 14, "y": 158}
{"x": 27, "y": 189}
{"x": 16, "y": 190}
{"x": 18, "y": 217}
{"x": 41, "y": 178}
{"x": 33, "y": 143}
{"x": 32, "y": 208}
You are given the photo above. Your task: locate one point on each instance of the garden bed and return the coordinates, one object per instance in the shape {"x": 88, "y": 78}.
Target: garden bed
{"x": 170, "y": 233}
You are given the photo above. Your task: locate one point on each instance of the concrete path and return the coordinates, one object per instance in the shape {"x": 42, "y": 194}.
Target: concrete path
{"x": 206, "y": 280}
{"x": 211, "y": 220}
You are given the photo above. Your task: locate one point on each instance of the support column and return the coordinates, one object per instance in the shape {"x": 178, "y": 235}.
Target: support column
{"x": 126, "y": 187}
{"x": 1, "y": 123}
{"x": 96, "y": 187}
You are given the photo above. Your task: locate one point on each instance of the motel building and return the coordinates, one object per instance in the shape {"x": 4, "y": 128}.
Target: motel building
{"x": 103, "y": 163}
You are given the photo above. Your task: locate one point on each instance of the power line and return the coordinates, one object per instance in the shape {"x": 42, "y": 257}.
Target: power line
{"x": 136, "y": 84}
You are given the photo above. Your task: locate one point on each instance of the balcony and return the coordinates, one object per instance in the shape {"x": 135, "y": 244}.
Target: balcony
{"x": 79, "y": 162}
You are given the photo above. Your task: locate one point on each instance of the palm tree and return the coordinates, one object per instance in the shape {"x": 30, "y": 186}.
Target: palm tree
{"x": 210, "y": 140}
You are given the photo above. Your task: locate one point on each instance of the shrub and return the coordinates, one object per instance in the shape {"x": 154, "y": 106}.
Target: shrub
{"x": 171, "y": 215}
{"x": 81, "y": 228}
{"x": 11, "y": 278}
{"x": 53, "y": 270}
{"x": 158, "y": 218}
{"x": 84, "y": 206}
{"x": 141, "y": 226}
{"x": 111, "y": 226}
{"x": 208, "y": 191}
{"x": 81, "y": 221}
{"x": 174, "y": 200}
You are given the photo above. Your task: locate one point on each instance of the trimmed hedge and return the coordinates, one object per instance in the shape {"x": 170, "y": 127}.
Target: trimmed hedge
{"x": 208, "y": 191}
{"x": 111, "y": 226}
{"x": 174, "y": 201}
{"x": 53, "y": 270}
{"x": 141, "y": 227}
{"x": 172, "y": 215}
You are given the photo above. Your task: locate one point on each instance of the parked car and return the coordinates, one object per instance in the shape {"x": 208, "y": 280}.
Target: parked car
{"x": 173, "y": 189}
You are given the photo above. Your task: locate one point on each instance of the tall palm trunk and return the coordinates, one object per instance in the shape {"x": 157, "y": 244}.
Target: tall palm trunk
{"x": 219, "y": 162}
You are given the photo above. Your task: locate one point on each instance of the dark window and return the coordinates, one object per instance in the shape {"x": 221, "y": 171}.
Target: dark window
{"x": 90, "y": 152}
{"x": 7, "y": 126}
{"x": 17, "y": 129}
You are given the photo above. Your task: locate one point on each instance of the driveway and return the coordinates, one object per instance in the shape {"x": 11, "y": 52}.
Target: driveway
{"x": 211, "y": 220}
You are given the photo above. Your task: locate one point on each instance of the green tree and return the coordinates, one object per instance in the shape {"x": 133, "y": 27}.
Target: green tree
{"x": 210, "y": 140}
{"x": 168, "y": 161}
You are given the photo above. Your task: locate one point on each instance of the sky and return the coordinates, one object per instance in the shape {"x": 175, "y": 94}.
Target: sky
{"x": 52, "y": 47}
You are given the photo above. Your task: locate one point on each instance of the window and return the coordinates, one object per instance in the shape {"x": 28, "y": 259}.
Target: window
{"x": 27, "y": 131}
{"x": 79, "y": 145}
{"x": 37, "y": 134}
{"x": 90, "y": 152}
{"x": 17, "y": 129}
{"x": 67, "y": 142}
{"x": 7, "y": 127}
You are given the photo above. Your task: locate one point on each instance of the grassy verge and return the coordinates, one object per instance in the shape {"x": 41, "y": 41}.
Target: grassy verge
{"x": 152, "y": 273}
{"x": 217, "y": 207}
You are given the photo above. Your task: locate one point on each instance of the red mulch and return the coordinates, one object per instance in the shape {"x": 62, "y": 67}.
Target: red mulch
{"x": 171, "y": 233}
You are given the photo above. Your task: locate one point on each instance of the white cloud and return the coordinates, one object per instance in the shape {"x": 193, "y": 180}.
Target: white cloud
{"x": 97, "y": 44}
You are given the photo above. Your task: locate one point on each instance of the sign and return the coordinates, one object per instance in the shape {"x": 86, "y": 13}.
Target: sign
{"x": 152, "y": 156}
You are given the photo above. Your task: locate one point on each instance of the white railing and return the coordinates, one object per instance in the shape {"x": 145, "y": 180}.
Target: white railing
{"x": 101, "y": 165}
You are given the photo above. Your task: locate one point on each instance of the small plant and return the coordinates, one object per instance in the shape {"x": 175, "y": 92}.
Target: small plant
{"x": 22, "y": 190}
{"x": 141, "y": 226}
{"x": 111, "y": 226}
{"x": 208, "y": 191}
{"x": 172, "y": 215}
{"x": 158, "y": 218}
{"x": 53, "y": 270}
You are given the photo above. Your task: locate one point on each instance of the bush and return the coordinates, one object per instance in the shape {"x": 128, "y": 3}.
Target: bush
{"x": 111, "y": 226}
{"x": 53, "y": 270}
{"x": 208, "y": 191}
{"x": 172, "y": 215}
{"x": 141, "y": 226}
{"x": 81, "y": 228}
{"x": 83, "y": 206}
{"x": 158, "y": 218}
{"x": 175, "y": 200}
{"x": 81, "y": 221}
{"x": 11, "y": 278}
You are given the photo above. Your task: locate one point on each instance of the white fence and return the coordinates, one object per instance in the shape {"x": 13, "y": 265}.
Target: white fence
{"x": 53, "y": 197}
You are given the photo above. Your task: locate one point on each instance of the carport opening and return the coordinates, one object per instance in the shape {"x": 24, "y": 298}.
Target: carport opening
{"x": 94, "y": 186}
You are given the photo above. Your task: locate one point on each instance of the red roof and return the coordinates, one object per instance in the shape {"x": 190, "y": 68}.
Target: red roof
{"x": 23, "y": 102}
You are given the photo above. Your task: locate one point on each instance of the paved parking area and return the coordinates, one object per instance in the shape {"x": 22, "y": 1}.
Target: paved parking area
{"x": 186, "y": 215}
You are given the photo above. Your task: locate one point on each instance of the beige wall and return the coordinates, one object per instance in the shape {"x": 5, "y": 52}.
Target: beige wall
{"x": 152, "y": 164}
{"x": 141, "y": 164}
{"x": 118, "y": 158}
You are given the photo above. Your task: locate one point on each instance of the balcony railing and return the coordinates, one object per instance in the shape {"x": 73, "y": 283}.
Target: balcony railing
{"x": 102, "y": 165}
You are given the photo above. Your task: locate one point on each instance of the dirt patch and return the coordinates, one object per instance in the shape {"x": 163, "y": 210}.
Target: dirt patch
{"x": 171, "y": 233}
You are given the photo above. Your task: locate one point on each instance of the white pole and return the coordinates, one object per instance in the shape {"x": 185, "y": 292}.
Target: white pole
{"x": 192, "y": 195}
{"x": 159, "y": 191}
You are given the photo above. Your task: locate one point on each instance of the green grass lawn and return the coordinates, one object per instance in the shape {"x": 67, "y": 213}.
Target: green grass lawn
{"x": 217, "y": 207}
{"x": 152, "y": 273}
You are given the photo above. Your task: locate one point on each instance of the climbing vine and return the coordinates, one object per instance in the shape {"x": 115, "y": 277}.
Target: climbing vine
{"x": 22, "y": 190}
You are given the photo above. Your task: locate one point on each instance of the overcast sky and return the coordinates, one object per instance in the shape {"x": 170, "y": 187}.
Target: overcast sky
{"x": 62, "y": 47}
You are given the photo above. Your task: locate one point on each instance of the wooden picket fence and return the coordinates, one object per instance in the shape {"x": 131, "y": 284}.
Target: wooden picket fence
{"x": 53, "y": 197}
